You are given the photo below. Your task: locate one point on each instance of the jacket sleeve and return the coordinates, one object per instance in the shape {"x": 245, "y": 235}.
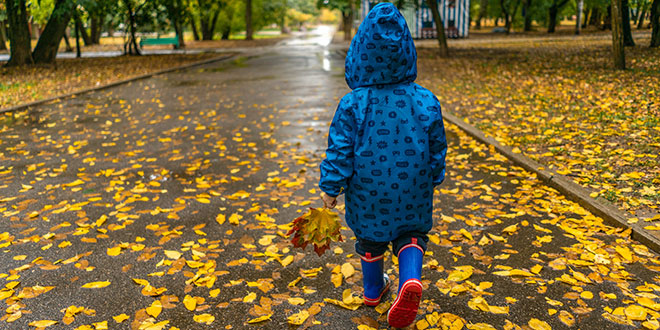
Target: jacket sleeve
{"x": 438, "y": 148}
{"x": 337, "y": 167}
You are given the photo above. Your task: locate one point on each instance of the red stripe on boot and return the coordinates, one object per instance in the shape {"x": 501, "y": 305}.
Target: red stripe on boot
{"x": 409, "y": 246}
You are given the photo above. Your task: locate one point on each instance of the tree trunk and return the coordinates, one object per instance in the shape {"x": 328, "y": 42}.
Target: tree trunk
{"x": 587, "y": 16}
{"x": 635, "y": 17}
{"x": 49, "y": 42}
{"x": 81, "y": 30}
{"x": 19, "y": 34}
{"x": 513, "y": 16}
{"x": 594, "y": 19}
{"x": 193, "y": 27}
{"x": 178, "y": 28}
{"x": 508, "y": 16}
{"x": 618, "y": 50}
{"x": 96, "y": 29}
{"x": 553, "y": 12}
{"x": 3, "y": 36}
{"x": 348, "y": 16}
{"x": 625, "y": 19}
{"x": 640, "y": 21}
{"x": 552, "y": 15}
{"x": 655, "y": 23}
{"x": 214, "y": 21}
{"x": 527, "y": 7}
{"x": 439, "y": 28}
{"x": 68, "y": 49}
{"x": 505, "y": 13}
{"x": 207, "y": 33}
{"x": 226, "y": 29}
{"x": 607, "y": 22}
{"x": 208, "y": 22}
{"x": 131, "y": 46}
{"x": 78, "y": 55}
{"x": 483, "y": 11}
{"x": 578, "y": 18}
{"x": 248, "y": 20}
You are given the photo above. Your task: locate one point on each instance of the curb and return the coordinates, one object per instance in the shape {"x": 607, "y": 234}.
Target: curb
{"x": 610, "y": 214}
{"x": 25, "y": 106}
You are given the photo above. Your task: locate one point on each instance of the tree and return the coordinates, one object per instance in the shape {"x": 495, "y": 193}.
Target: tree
{"x": 347, "y": 9}
{"x": 655, "y": 23}
{"x": 3, "y": 32}
{"x": 177, "y": 14}
{"x": 82, "y": 32}
{"x": 555, "y": 7}
{"x": 97, "y": 11}
{"x": 625, "y": 20}
{"x": 248, "y": 20}
{"x": 527, "y": 14}
{"x": 132, "y": 9}
{"x": 508, "y": 12}
{"x": 209, "y": 10}
{"x": 578, "y": 18}
{"x": 640, "y": 20}
{"x": 19, "y": 33}
{"x": 483, "y": 11}
{"x": 227, "y": 23}
{"x": 439, "y": 28}
{"x": 49, "y": 42}
{"x": 618, "y": 49}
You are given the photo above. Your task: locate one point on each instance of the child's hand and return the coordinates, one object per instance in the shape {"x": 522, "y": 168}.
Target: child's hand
{"x": 328, "y": 201}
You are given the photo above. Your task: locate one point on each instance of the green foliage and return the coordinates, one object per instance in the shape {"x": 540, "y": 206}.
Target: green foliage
{"x": 341, "y": 5}
{"x": 40, "y": 10}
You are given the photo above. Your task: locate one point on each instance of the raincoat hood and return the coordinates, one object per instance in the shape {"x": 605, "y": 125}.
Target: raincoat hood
{"x": 382, "y": 51}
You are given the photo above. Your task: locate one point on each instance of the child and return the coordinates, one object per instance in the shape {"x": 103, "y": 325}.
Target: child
{"x": 386, "y": 152}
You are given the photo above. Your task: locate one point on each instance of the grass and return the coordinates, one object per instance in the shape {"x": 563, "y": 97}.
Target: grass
{"x": 561, "y": 103}
{"x": 26, "y": 84}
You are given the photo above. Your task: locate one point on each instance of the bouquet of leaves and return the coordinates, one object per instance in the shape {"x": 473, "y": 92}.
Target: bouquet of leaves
{"x": 318, "y": 227}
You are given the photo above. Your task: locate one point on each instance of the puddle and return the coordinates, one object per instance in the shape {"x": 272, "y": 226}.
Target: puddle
{"x": 327, "y": 66}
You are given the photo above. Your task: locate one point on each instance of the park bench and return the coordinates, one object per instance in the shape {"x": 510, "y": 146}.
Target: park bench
{"x": 160, "y": 41}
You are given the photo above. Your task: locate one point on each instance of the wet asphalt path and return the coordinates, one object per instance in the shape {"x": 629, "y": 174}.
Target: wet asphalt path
{"x": 182, "y": 185}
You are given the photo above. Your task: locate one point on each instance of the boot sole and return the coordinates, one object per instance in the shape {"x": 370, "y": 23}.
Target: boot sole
{"x": 404, "y": 309}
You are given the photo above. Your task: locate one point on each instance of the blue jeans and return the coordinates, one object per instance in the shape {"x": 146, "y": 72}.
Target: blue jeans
{"x": 364, "y": 246}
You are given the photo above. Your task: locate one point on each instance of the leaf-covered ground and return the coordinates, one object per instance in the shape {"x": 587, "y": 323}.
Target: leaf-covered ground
{"x": 164, "y": 204}
{"x": 27, "y": 84}
{"x": 558, "y": 102}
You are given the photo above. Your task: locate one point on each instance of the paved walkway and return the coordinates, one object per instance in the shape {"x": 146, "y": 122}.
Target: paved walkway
{"x": 171, "y": 197}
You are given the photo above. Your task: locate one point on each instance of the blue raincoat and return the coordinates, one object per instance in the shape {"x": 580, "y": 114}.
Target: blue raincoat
{"x": 387, "y": 146}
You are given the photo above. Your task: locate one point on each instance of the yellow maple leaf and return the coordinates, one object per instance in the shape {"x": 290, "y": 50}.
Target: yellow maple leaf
{"x": 42, "y": 323}
{"x": 537, "y": 324}
{"x": 121, "y": 318}
{"x": 155, "y": 308}
{"x": 250, "y": 297}
{"x": 260, "y": 318}
{"x": 635, "y": 312}
{"x": 347, "y": 270}
{"x": 190, "y": 302}
{"x": 204, "y": 318}
{"x": 298, "y": 318}
{"x": 172, "y": 254}
{"x": 96, "y": 285}
{"x": 296, "y": 301}
{"x": 114, "y": 251}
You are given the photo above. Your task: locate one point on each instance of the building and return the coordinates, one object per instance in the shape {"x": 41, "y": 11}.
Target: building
{"x": 455, "y": 16}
